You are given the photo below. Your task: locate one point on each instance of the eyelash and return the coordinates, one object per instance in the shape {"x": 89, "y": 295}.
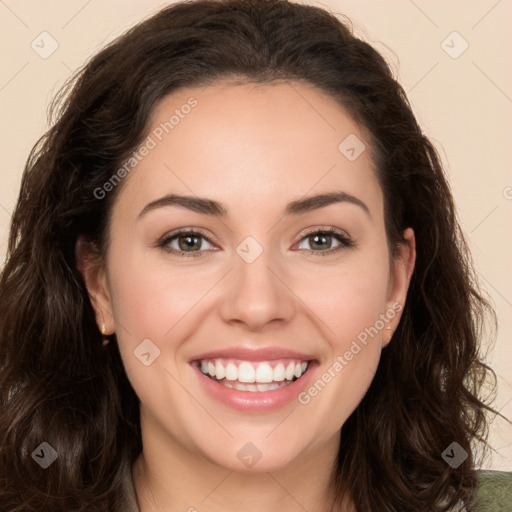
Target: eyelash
{"x": 345, "y": 241}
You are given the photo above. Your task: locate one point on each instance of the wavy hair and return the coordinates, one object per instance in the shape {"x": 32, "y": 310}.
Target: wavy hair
{"x": 59, "y": 385}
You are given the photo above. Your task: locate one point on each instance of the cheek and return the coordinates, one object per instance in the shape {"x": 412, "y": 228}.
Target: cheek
{"x": 349, "y": 297}
{"x": 151, "y": 301}
{"x": 149, "y": 298}
{"x": 356, "y": 304}
{"x": 350, "y": 304}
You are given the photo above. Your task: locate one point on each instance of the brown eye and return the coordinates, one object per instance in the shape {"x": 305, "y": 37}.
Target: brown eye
{"x": 321, "y": 241}
{"x": 189, "y": 242}
{"x": 185, "y": 243}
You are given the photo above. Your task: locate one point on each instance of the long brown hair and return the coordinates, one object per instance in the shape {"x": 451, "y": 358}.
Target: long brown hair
{"x": 59, "y": 385}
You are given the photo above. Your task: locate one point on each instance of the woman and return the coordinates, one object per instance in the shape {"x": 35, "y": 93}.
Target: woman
{"x": 235, "y": 281}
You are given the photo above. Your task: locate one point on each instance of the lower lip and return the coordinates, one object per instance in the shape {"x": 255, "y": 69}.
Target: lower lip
{"x": 255, "y": 401}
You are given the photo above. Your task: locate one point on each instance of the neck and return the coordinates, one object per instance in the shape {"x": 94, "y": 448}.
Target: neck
{"x": 169, "y": 477}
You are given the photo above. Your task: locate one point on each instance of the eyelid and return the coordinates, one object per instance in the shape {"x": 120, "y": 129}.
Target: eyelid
{"x": 324, "y": 229}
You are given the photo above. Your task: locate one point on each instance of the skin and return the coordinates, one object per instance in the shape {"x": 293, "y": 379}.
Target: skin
{"x": 254, "y": 148}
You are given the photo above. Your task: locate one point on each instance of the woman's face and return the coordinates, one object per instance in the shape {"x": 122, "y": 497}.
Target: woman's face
{"x": 256, "y": 294}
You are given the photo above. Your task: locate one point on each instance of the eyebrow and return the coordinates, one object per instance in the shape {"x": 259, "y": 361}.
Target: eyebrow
{"x": 210, "y": 207}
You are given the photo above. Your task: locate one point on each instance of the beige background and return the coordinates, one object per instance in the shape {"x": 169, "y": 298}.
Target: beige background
{"x": 464, "y": 104}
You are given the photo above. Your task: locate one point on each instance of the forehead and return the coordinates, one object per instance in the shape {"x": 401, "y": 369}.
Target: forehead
{"x": 252, "y": 145}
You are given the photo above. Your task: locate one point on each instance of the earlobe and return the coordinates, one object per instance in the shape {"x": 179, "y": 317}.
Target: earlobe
{"x": 95, "y": 280}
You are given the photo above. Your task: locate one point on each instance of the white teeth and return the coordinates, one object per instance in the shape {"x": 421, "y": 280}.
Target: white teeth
{"x": 220, "y": 371}
{"x": 245, "y": 387}
{"x": 264, "y": 373}
{"x": 231, "y": 372}
{"x": 253, "y": 372}
{"x": 246, "y": 373}
{"x": 255, "y": 387}
{"x": 279, "y": 373}
{"x": 290, "y": 370}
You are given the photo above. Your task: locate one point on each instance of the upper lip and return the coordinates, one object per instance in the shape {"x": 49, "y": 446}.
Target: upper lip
{"x": 250, "y": 354}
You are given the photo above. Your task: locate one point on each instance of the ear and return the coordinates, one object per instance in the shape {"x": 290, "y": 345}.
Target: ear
{"x": 95, "y": 279}
{"x": 402, "y": 268}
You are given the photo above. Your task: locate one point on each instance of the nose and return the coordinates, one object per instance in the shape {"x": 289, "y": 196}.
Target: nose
{"x": 256, "y": 294}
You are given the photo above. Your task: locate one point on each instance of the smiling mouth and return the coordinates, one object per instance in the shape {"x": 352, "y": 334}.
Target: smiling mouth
{"x": 253, "y": 376}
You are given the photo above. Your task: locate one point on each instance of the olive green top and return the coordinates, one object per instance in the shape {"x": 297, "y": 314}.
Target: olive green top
{"x": 494, "y": 492}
